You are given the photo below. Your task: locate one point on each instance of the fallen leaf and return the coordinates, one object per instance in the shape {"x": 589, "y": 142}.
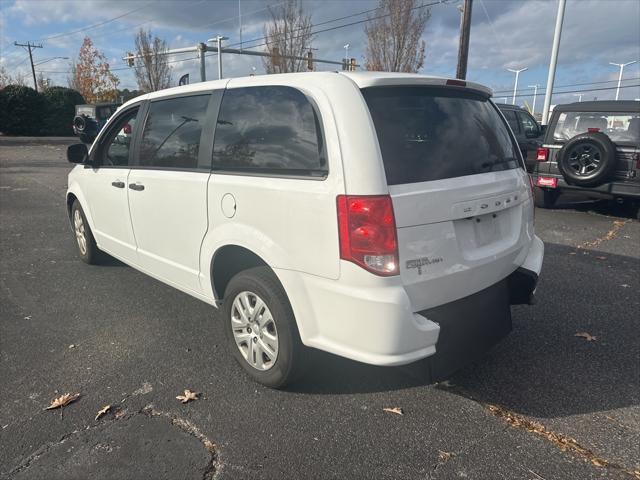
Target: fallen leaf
{"x": 624, "y": 285}
{"x": 119, "y": 414}
{"x": 445, "y": 456}
{"x": 102, "y": 411}
{"x": 72, "y": 346}
{"x": 396, "y": 410}
{"x": 587, "y": 336}
{"x": 28, "y": 317}
{"x": 601, "y": 258}
{"x": 572, "y": 253}
{"x": 188, "y": 396}
{"x": 63, "y": 401}
{"x": 598, "y": 462}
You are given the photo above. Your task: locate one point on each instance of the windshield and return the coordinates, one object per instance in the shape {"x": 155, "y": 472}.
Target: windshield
{"x": 431, "y": 133}
{"x": 620, "y": 127}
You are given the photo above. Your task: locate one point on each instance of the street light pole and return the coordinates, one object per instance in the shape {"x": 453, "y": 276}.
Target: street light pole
{"x": 515, "y": 85}
{"x": 553, "y": 62}
{"x": 535, "y": 95}
{"x": 579, "y": 95}
{"x": 621, "y": 65}
{"x": 218, "y": 39}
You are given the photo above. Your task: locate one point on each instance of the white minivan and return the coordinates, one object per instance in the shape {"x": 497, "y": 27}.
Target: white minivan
{"x": 382, "y": 217}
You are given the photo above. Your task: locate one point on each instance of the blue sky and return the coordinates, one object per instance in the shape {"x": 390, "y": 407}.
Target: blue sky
{"x": 504, "y": 33}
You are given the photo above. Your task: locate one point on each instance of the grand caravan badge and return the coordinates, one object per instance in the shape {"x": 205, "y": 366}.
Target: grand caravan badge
{"x": 423, "y": 262}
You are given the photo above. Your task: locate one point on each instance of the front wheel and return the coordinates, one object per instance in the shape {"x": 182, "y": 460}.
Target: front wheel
{"x": 261, "y": 329}
{"x": 87, "y": 248}
{"x": 545, "y": 198}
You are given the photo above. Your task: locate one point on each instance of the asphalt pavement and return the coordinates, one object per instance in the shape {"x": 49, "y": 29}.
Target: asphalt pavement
{"x": 544, "y": 404}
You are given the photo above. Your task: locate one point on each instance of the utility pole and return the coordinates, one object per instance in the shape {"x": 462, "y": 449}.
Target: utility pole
{"x": 535, "y": 95}
{"x": 463, "y": 46}
{"x": 621, "y": 65}
{"x": 553, "y": 62}
{"x": 202, "y": 49}
{"x": 29, "y": 46}
{"x": 515, "y": 85}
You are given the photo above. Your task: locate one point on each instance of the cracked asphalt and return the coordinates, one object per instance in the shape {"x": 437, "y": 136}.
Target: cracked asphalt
{"x": 137, "y": 344}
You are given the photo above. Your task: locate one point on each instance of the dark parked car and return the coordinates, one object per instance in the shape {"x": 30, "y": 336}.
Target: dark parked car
{"x": 527, "y": 131}
{"x": 90, "y": 119}
{"x": 592, "y": 148}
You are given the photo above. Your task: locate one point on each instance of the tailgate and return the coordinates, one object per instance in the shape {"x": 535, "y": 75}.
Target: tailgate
{"x": 457, "y": 237}
{"x": 461, "y": 198}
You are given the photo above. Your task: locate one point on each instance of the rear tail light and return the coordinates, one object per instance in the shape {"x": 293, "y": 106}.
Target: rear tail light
{"x": 542, "y": 155}
{"x": 549, "y": 182}
{"x": 637, "y": 159}
{"x": 367, "y": 230}
{"x": 457, "y": 83}
{"x": 593, "y": 129}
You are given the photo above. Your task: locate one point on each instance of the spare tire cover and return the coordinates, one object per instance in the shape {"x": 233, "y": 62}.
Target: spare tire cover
{"x": 587, "y": 159}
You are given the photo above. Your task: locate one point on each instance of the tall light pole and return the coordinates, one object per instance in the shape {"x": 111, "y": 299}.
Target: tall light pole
{"x": 346, "y": 51}
{"x": 579, "y": 95}
{"x": 553, "y": 62}
{"x": 535, "y": 95}
{"x": 621, "y": 65}
{"x": 515, "y": 85}
{"x": 218, "y": 39}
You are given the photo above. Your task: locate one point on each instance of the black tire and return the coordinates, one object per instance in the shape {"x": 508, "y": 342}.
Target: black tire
{"x": 91, "y": 254}
{"x": 80, "y": 123}
{"x": 288, "y": 364}
{"x": 545, "y": 198}
{"x": 587, "y": 160}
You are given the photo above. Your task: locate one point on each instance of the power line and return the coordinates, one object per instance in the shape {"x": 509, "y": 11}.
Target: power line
{"x": 568, "y": 85}
{"x": 585, "y": 90}
{"x": 95, "y": 25}
{"x": 121, "y": 68}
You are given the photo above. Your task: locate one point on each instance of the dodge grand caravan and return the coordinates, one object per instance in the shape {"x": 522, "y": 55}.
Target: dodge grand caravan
{"x": 382, "y": 217}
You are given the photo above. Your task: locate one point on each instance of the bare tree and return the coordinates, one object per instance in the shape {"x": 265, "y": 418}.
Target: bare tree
{"x": 152, "y": 67}
{"x": 43, "y": 83}
{"x": 7, "y": 79}
{"x": 393, "y": 36}
{"x": 287, "y": 34}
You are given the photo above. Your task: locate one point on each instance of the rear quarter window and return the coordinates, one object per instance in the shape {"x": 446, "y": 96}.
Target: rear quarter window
{"x": 430, "y": 133}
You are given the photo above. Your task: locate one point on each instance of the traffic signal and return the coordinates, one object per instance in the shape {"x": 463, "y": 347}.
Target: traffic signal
{"x": 130, "y": 59}
{"x": 310, "y": 60}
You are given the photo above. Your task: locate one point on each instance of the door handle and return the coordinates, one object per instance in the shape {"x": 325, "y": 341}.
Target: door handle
{"x": 136, "y": 186}
{"x": 117, "y": 184}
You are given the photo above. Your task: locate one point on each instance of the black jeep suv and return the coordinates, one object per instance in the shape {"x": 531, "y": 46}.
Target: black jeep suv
{"x": 591, "y": 148}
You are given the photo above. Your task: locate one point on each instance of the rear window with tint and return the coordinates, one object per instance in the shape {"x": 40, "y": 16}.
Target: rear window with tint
{"x": 430, "y": 133}
{"x": 620, "y": 127}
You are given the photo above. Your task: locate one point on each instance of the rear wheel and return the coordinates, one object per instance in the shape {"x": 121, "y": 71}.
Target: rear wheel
{"x": 87, "y": 248}
{"x": 545, "y": 198}
{"x": 261, "y": 329}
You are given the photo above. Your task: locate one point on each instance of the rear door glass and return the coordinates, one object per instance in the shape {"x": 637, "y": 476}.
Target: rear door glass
{"x": 620, "y": 127}
{"x": 431, "y": 133}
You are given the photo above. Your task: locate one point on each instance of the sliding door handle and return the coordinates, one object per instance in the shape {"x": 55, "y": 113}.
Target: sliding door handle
{"x": 117, "y": 184}
{"x": 136, "y": 186}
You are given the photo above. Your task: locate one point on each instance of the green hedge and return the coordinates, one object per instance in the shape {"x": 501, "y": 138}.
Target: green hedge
{"x": 23, "y": 111}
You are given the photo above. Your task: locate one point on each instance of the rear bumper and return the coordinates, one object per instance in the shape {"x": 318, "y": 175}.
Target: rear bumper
{"x": 629, "y": 189}
{"x": 375, "y": 323}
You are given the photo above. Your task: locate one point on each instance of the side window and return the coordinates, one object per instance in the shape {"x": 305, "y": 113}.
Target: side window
{"x": 510, "y": 115}
{"x": 114, "y": 148}
{"x": 529, "y": 124}
{"x": 171, "y": 135}
{"x": 271, "y": 129}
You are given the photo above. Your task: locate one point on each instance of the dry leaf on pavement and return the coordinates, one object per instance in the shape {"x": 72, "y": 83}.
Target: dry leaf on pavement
{"x": 445, "y": 456}
{"x": 396, "y": 410}
{"x": 587, "y": 336}
{"x": 63, "y": 401}
{"x": 188, "y": 396}
{"x": 103, "y": 411}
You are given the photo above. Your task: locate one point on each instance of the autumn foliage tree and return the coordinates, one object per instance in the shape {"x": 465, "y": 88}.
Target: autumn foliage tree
{"x": 91, "y": 75}
{"x": 394, "y": 34}
{"x": 287, "y": 34}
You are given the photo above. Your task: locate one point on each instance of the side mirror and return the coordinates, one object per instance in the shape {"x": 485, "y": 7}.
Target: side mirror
{"x": 77, "y": 153}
